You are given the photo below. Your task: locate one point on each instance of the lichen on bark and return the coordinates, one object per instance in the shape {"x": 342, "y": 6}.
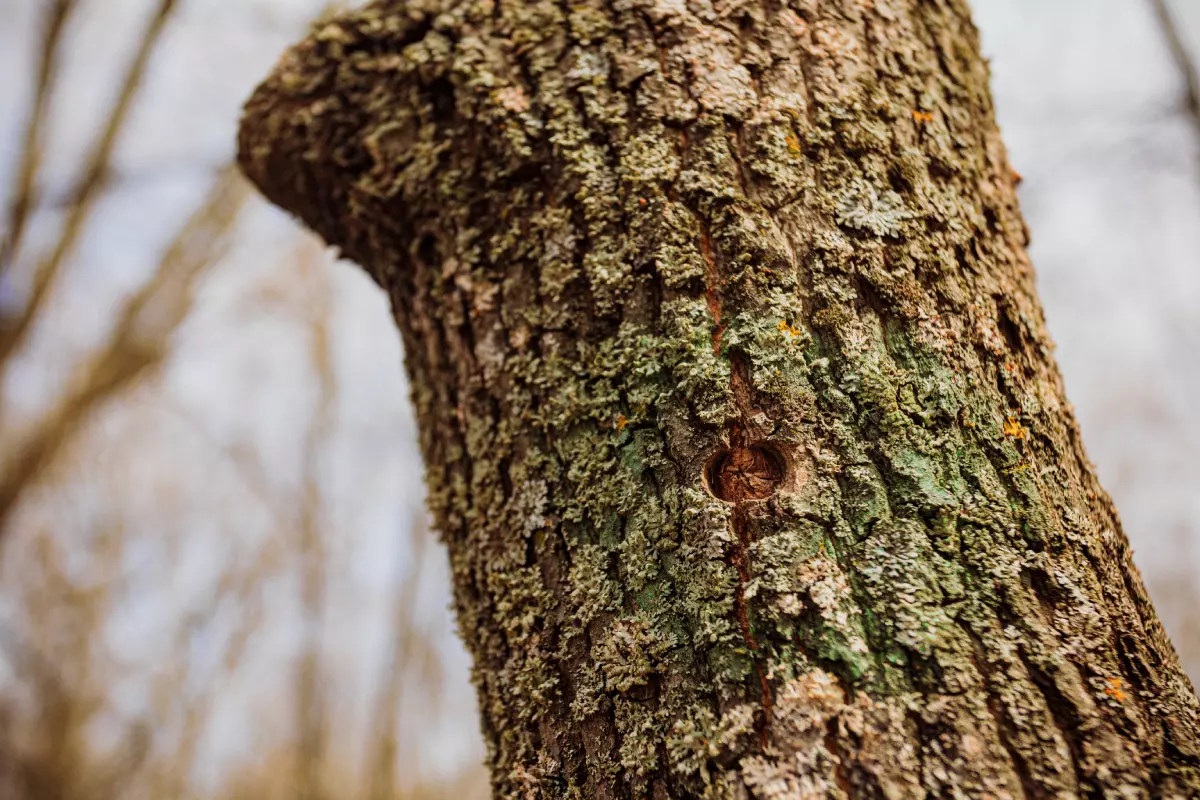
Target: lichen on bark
{"x": 740, "y": 417}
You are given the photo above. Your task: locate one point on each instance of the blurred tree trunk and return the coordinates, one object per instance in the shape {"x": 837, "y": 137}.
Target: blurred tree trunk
{"x": 739, "y": 412}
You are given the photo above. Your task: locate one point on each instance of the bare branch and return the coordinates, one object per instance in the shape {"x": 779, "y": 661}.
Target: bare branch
{"x": 14, "y": 331}
{"x": 24, "y": 194}
{"x": 139, "y": 340}
{"x": 1181, "y": 55}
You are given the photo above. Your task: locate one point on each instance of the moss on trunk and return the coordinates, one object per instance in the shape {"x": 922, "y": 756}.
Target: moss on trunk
{"x": 739, "y": 413}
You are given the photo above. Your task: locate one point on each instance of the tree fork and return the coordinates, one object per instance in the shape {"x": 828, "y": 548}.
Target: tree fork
{"x": 740, "y": 417}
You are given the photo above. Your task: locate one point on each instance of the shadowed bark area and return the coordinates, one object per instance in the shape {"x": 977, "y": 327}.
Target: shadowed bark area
{"x": 740, "y": 416}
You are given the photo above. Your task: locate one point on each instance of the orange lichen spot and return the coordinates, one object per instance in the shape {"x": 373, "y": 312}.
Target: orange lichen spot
{"x": 1010, "y": 367}
{"x": 641, "y": 201}
{"x": 1016, "y": 176}
{"x": 793, "y": 144}
{"x": 1116, "y": 690}
{"x": 790, "y": 330}
{"x": 922, "y": 116}
{"x": 1014, "y": 429}
{"x": 622, "y": 422}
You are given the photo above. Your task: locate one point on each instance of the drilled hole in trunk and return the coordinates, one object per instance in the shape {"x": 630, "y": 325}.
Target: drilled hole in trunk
{"x": 745, "y": 473}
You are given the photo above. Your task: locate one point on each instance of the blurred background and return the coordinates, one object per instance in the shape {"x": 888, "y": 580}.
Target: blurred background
{"x": 216, "y": 577}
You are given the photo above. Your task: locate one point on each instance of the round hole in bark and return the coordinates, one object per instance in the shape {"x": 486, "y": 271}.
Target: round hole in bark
{"x": 427, "y": 251}
{"x": 745, "y": 473}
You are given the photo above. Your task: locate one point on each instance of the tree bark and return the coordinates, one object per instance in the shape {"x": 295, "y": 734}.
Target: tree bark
{"x": 740, "y": 417}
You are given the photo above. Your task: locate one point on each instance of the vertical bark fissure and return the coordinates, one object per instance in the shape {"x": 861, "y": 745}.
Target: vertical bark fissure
{"x": 1029, "y": 787}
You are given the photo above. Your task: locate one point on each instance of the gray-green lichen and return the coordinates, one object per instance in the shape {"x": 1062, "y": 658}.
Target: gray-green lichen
{"x": 624, "y": 236}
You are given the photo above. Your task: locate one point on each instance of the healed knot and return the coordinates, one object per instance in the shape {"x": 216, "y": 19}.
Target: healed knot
{"x": 745, "y": 473}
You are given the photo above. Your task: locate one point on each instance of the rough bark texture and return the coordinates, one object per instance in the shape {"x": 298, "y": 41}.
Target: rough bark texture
{"x": 740, "y": 416}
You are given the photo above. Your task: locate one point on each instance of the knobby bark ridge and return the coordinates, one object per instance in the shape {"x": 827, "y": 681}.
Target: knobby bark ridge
{"x": 740, "y": 417}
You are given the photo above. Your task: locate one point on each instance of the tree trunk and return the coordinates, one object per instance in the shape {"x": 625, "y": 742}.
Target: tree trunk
{"x": 740, "y": 416}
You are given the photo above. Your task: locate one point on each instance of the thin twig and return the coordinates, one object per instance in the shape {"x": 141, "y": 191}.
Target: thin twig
{"x": 245, "y": 586}
{"x": 57, "y": 199}
{"x": 245, "y": 462}
{"x": 1183, "y": 58}
{"x": 139, "y": 341}
{"x": 381, "y": 768}
{"x": 24, "y": 193}
{"x": 68, "y": 618}
{"x": 86, "y": 190}
{"x": 310, "y": 700}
